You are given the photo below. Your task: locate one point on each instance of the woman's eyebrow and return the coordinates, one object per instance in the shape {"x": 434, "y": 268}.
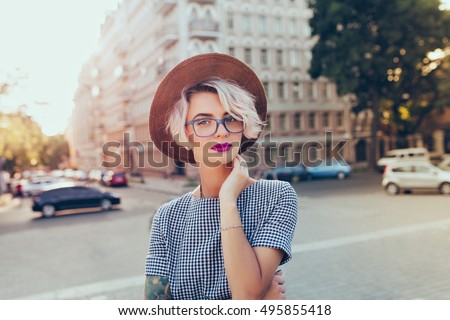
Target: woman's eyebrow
{"x": 210, "y": 115}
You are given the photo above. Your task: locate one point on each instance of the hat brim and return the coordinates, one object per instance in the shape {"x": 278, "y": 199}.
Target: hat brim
{"x": 189, "y": 72}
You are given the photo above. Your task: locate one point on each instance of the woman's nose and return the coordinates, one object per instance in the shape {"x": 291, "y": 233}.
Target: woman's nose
{"x": 221, "y": 131}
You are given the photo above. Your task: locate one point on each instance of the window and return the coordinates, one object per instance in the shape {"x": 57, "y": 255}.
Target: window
{"x": 264, "y": 60}
{"x": 421, "y": 169}
{"x": 403, "y": 169}
{"x": 340, "y": 119}
{"x": 280, "y": 57}
{"x": 309, "y": 90}
{"x": 282, "y": 122}
{"x": 292, "y": 26}
{"x": 208, "y": 15}
{"x": 230, "y": 21}
{"x": 194, "y": 14}
{"x": 278, "y": 25}
{"x": 263, "y": 24}
{"x": 248, "y": 55}
{"x": 306, "y": 30}
{"x": 297, "y": 120}
{"x": 246, "y": 23}
{"x": 280, "y": 90}
{"x": 231, "y": 51}
{"x": 295, "y": 58}
{"x": 296, "y": 90}
{"x": 323, "y": 91}
{"x": 267, "y": 88}
{"x": 326, "y": 119}
{"x": 312, "y": 120}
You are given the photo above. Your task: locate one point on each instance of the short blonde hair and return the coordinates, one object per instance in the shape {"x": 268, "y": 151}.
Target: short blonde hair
{"x": 238, "y": 102}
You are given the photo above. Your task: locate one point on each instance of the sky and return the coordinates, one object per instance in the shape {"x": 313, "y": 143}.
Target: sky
{"x": 45, "y": 42}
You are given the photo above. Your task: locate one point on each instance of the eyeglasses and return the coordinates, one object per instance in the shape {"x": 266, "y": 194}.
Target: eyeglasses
{"x": 206, "y": 127}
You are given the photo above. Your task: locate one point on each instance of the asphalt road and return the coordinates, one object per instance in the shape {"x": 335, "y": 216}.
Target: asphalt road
{"x": 353, "y": 242}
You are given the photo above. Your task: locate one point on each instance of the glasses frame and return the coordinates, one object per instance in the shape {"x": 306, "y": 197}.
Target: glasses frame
{"x": 218, "y": 122}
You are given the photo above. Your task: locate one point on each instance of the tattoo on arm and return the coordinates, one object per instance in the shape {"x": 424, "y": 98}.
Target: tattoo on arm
{"x": 157, "y": 288}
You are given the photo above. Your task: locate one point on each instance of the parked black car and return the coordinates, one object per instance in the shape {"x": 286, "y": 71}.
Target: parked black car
{"x": 291, "y": 173}
{"x": 75, "y": 197}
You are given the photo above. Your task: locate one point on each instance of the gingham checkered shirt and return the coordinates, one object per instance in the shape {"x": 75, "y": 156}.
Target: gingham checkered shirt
{"x": 185, "y": 241}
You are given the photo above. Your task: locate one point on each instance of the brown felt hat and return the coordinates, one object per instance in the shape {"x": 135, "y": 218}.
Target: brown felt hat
{"x": 192, "y": 71}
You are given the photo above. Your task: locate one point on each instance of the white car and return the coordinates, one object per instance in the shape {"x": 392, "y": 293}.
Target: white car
{"x": 413, "y": 175}
{"x": 408, "y": 154}
{"x": 35, "y": 187}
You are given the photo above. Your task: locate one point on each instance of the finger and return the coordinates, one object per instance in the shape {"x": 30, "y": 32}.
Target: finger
{"x": 279, "y": 279}
{"x": 239, "y": 162}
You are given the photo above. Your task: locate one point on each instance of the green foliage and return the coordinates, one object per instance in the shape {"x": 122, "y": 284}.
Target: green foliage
{"x": 55, "y": 151}
{"x": 24, "y": 145}
{"x": 377, "y": 49}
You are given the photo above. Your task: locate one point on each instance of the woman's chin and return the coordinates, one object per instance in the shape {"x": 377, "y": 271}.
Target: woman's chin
{"x": 218, "y": 159}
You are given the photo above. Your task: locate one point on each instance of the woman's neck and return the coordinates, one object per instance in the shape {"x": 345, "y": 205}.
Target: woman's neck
{"x": 211, "y": 180}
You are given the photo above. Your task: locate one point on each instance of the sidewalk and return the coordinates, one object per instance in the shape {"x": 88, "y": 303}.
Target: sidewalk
{"x": 174, "y": 185}
{"x": 7, "y": 201}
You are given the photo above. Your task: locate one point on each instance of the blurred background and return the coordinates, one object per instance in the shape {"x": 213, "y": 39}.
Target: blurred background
{"x": 363, "y": 84}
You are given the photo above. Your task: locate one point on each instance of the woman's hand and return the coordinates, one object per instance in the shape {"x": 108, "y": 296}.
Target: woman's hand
{"x": 276, "y": 289}
{"x": 236, "y": 181}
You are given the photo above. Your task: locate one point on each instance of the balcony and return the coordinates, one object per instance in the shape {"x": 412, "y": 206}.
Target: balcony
{"x": 164, "y": 6}
{"x": 203, "y": 1}
{"x": 204, "y": 28}
{"x": 166, "y": 36}
{"x": 126, "y": 96}
{"x": 163, "y": 68}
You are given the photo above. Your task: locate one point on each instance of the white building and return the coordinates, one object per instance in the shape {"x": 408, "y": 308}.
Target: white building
{"x": 142, "y": 40}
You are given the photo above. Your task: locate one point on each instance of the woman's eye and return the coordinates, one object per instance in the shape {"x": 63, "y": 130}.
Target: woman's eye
{"x": 230, "y": 119}
{"x": 203, "y": 122}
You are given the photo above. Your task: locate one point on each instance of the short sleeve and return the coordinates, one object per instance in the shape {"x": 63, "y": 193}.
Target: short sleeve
{"x": 156, "y": 262}
{"x": 277, "y": 230}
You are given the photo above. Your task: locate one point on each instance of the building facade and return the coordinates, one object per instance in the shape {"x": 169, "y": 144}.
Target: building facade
{"x": 142, "y": 40}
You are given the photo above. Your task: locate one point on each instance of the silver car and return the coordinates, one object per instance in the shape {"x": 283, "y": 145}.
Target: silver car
{"x": 407, "y": 176}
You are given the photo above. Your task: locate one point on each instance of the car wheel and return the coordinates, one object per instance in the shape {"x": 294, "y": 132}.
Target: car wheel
{"x": 341, "y": 175}
{"x": 106, "y": 204}
{"x": 444, "y": 188}
{"x": 295, "y": 179}
{"x": 392, "y": 189}
{"x": 48, "y": 210}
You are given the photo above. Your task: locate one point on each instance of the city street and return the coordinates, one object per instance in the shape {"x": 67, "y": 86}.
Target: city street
{"x": 352, "y": 242}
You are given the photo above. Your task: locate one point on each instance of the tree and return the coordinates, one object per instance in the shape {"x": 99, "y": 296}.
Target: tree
{"x": 379, "y": 51}
{"x": 21, "y": 141}
{"x": 55, "y": 151}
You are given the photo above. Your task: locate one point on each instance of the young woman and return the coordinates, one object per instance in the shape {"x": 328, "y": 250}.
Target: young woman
{"x": 225, "y": 239}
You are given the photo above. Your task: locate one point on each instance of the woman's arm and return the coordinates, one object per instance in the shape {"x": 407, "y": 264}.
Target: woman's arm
{"x": 249, "y": 270}
{"x": 157, "y": 288}
{"x": 277, "y": 289}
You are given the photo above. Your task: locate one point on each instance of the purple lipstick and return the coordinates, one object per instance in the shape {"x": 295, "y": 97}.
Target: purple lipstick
{"x": 222, "y": 147}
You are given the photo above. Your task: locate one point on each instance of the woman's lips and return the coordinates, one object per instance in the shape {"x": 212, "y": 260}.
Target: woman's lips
{"x": 222, "y": 147}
